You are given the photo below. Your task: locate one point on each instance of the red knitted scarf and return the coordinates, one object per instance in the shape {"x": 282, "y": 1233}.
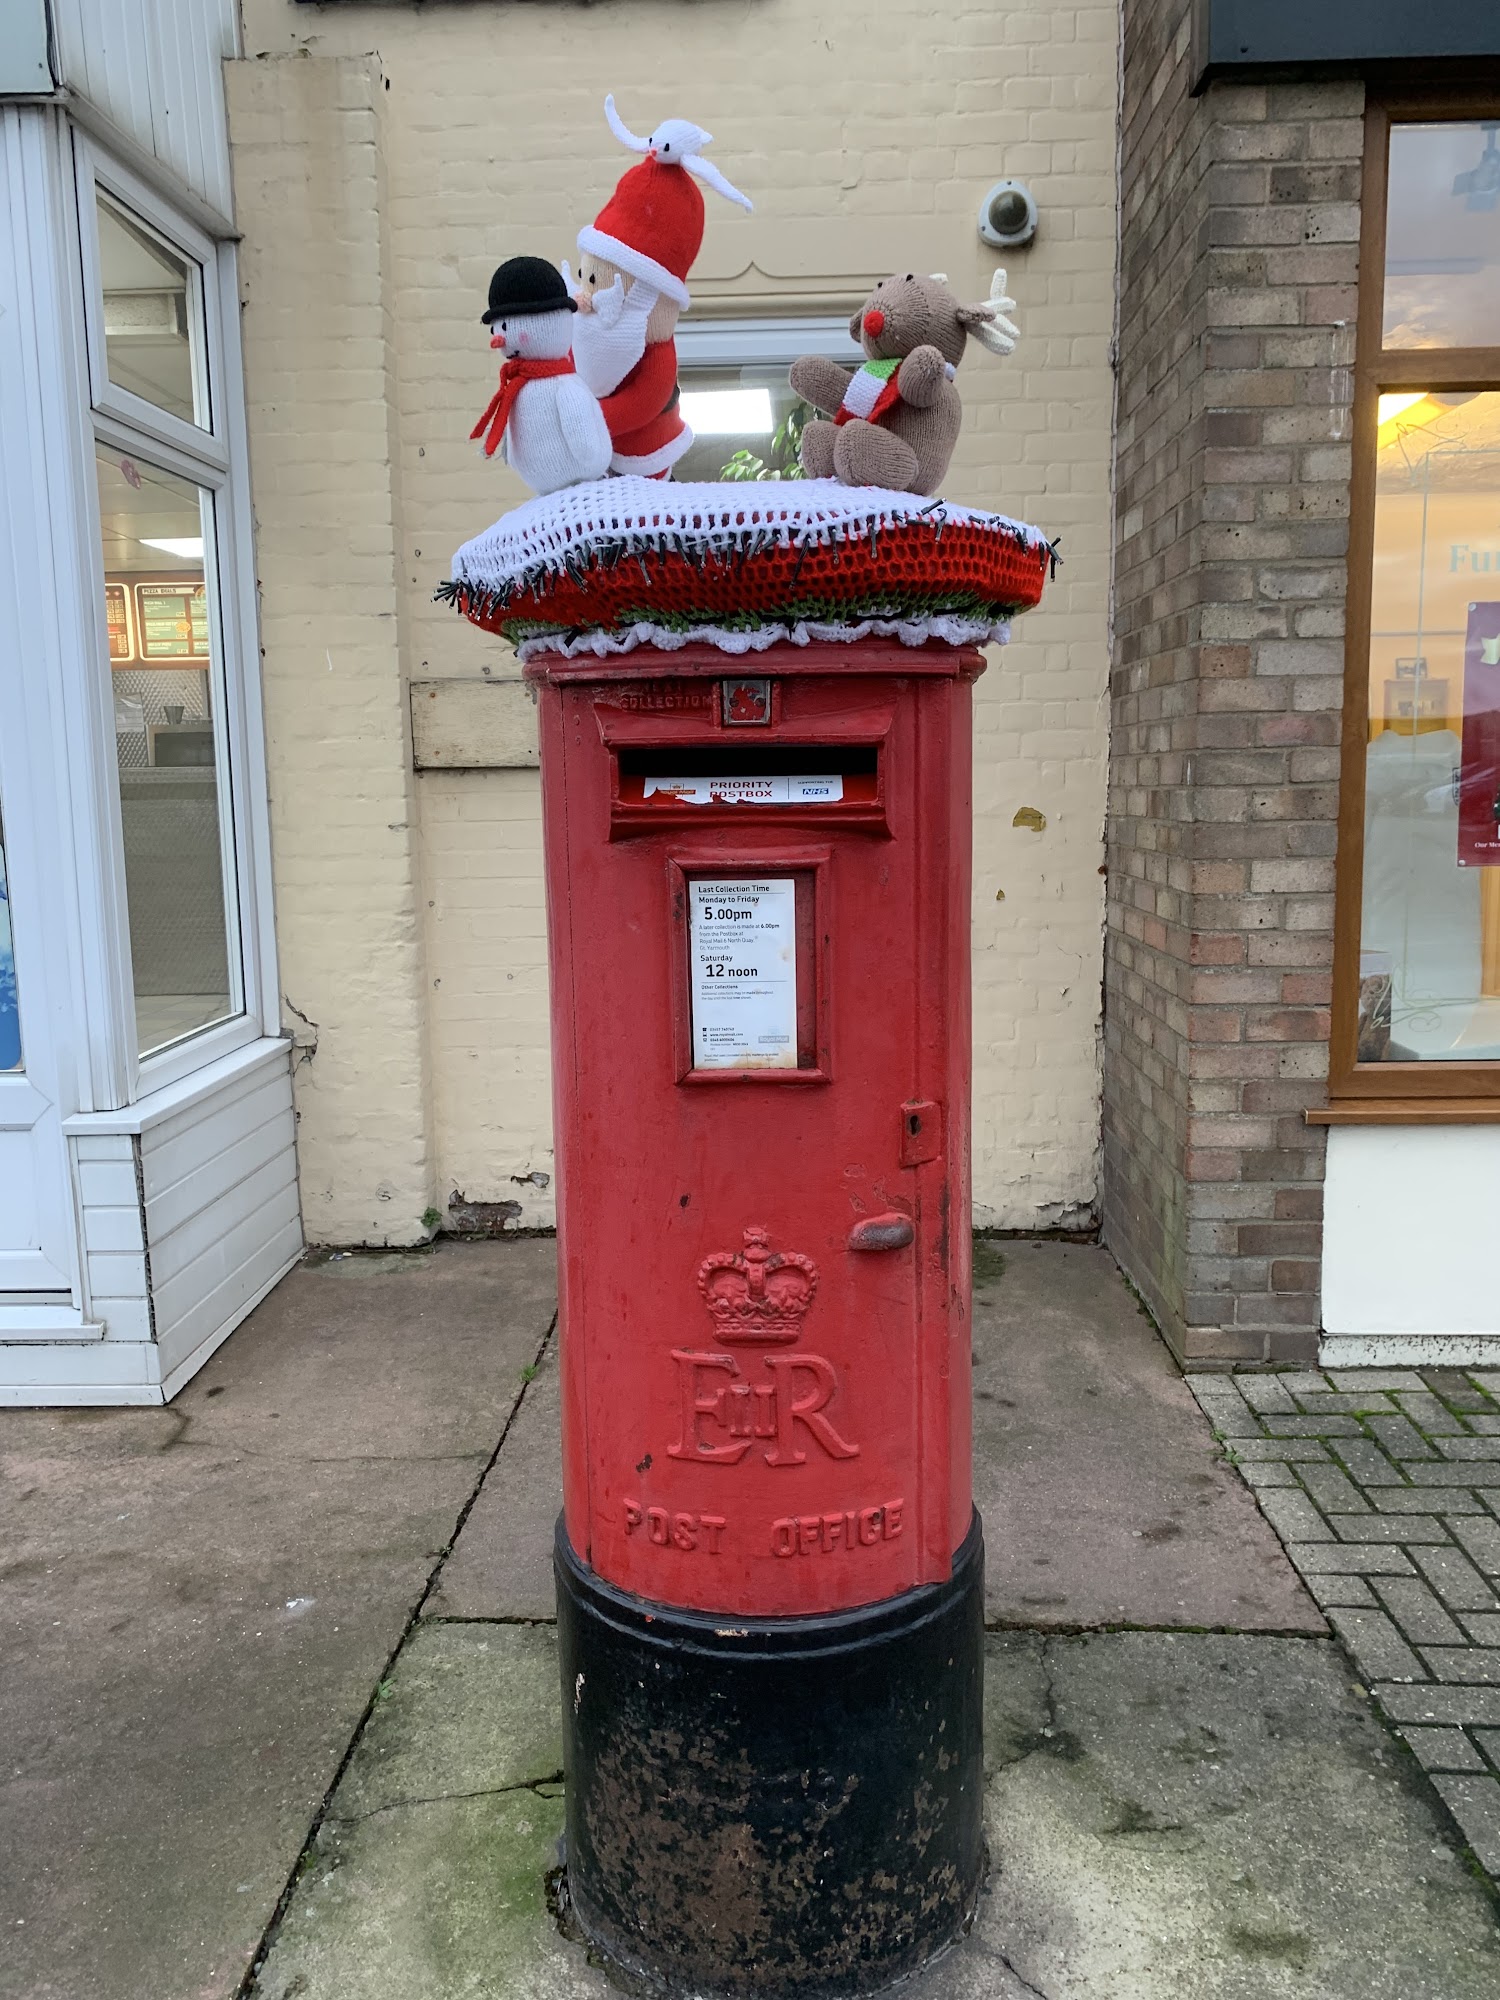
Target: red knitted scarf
{"x": 514, "y": 375}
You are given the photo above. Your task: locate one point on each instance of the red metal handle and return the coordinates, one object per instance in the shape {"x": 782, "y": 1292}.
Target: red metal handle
{"x": 891, "y": 1231}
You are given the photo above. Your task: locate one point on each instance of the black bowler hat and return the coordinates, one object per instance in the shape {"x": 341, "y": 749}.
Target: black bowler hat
{"x": 527, "y": 285}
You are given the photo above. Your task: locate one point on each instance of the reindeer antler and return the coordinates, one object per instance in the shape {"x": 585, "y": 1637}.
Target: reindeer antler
{"x": 987, "y": 321}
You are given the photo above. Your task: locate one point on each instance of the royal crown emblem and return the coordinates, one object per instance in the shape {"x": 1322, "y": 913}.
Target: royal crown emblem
{"x": 758, "y": 1294}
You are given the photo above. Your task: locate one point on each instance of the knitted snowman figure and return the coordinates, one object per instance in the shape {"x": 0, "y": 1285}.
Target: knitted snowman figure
{"x": 632, "y": 287}
{"x": 549, "y": 421}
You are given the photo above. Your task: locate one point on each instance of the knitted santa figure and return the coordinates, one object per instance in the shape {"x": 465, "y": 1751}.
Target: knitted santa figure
{"x": 632, "y": 288}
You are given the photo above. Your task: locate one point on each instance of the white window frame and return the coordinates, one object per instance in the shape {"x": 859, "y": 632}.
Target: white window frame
{"x": 205, "y": 343}
{"x": 215, "y": 460}
{"x": 768, "y": 342}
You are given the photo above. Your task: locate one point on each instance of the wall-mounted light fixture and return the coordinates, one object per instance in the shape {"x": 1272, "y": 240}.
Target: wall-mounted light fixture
{"x": 1007, "y": 215}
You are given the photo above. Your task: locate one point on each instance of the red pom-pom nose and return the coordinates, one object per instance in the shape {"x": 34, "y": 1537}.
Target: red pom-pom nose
{"x": 874, "y": 322}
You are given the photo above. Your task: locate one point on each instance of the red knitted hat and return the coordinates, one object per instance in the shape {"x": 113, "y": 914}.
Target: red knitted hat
{"x": 651, "y": 226}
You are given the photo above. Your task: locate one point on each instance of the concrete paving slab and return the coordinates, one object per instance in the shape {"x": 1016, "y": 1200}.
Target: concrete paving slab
{"x": 472, "y": 1708}
{"x": 1171, "y": 1816}
{"x": 501, "y": 1565}
{"x": 442, "y": 1901}
{"x": 1214, "y": 1818}
{"x": 196, "y": 1604}
{"x": 1104, "y": 1497}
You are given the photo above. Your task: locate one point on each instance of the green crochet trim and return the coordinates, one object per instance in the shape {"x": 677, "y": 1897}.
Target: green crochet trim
{"x": 812, "y": 610}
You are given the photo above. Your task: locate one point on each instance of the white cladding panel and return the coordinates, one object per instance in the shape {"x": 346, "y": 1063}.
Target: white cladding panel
{"x": 221, "y": 1210}
{"x": 153, "y": 68}
{"x": 23, "y": 48}
{"x": 1409, "y": 1244}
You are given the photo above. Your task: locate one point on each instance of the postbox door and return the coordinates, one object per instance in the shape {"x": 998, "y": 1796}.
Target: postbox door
{"x": 761, "y": 1347}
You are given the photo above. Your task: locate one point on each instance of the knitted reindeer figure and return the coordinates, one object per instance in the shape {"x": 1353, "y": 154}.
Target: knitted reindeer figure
{"x": 896, "y": 420}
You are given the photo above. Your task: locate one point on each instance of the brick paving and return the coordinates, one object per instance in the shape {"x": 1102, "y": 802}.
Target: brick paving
{"x": 1384, "y": 1487}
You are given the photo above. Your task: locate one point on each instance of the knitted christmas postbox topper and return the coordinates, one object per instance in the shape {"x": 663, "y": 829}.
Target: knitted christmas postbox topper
{"x": 652, "y": 225}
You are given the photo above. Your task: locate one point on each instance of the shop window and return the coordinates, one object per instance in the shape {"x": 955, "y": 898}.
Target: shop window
{"x": 175, "y": 640}
{"x": 1418, "y": 990}
{"x": 1442, "y": 236}
{"x": 166, "y": 667}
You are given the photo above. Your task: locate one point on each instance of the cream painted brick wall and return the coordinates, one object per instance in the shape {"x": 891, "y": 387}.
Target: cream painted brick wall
{"x": 487, "y": 949}
{"x": 311, "y": 198}
{"x": 866, "y": 138}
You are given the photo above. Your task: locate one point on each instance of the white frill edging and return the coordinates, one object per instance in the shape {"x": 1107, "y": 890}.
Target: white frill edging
{"x": 951, "y": 630}
{"x": 560, "y": 531}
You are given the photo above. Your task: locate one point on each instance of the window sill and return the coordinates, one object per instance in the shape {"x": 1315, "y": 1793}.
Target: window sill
{"x": 1407, "y": 1111}
{"x": 268, "y": 1051}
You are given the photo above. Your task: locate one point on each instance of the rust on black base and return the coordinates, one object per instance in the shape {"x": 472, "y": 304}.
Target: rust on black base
{"x": 773, "y": 1806}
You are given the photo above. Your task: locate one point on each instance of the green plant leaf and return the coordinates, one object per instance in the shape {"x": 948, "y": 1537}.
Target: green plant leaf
{"x": 786, "y": 448}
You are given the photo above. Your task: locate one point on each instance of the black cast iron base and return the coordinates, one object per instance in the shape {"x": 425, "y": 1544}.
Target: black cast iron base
{"x": 773, "y": 1806}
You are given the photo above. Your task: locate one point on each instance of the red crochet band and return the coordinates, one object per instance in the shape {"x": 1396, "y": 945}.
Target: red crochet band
{"x": 913, "y": 568}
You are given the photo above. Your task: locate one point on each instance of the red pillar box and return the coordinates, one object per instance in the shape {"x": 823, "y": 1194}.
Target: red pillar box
{"x": 770, "y": 1572}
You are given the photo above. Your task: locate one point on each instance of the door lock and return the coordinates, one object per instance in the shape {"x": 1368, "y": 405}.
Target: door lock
{"x": 921, "y": 1132}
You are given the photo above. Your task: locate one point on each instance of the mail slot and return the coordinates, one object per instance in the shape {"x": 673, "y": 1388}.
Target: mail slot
{"x": 770, "y": 1569}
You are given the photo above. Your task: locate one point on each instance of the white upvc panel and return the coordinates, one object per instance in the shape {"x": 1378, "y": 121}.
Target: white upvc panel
{"x": 174, "y": 1256}
{"x": 67, "y": 1375}
{"x": 230, "y": 1166}
{"x": 95, "y": 1134}
{"x": 107, "y": 1192}
{"x": 104, "y": 1146}
{"x": 1409, "y": 1272}
{"x": 24, "y": 69}
{"x": 212, "y": 1223}
{"x": 730, "y": 343}
{"x": 116, "y": 1274}
{"x": 216, "y": 1287}
{"x": 216, "y": 461}
{"x": 239, "y": 589}
{"x": 153, "y": 69}
{"x": 31, "y": 1319}
{"x": 47, "y": 860}
{"x": 207, "y": 1324}
{"x": 187, "y": 1347}
{"x": 36, "y": 1224}
{"x": 183, "y": 1145}
{"x": 124, "y": 1319}
{"x": 223, "y": 1220}
{"x": 57, "y": 745}
{"x": 105, "y": 1183}
{"x": 113, "y": 1227}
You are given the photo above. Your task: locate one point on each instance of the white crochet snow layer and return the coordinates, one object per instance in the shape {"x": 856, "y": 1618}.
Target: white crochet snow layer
{"x": 953, "y": 631}
{"x": 544, "y": 533}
